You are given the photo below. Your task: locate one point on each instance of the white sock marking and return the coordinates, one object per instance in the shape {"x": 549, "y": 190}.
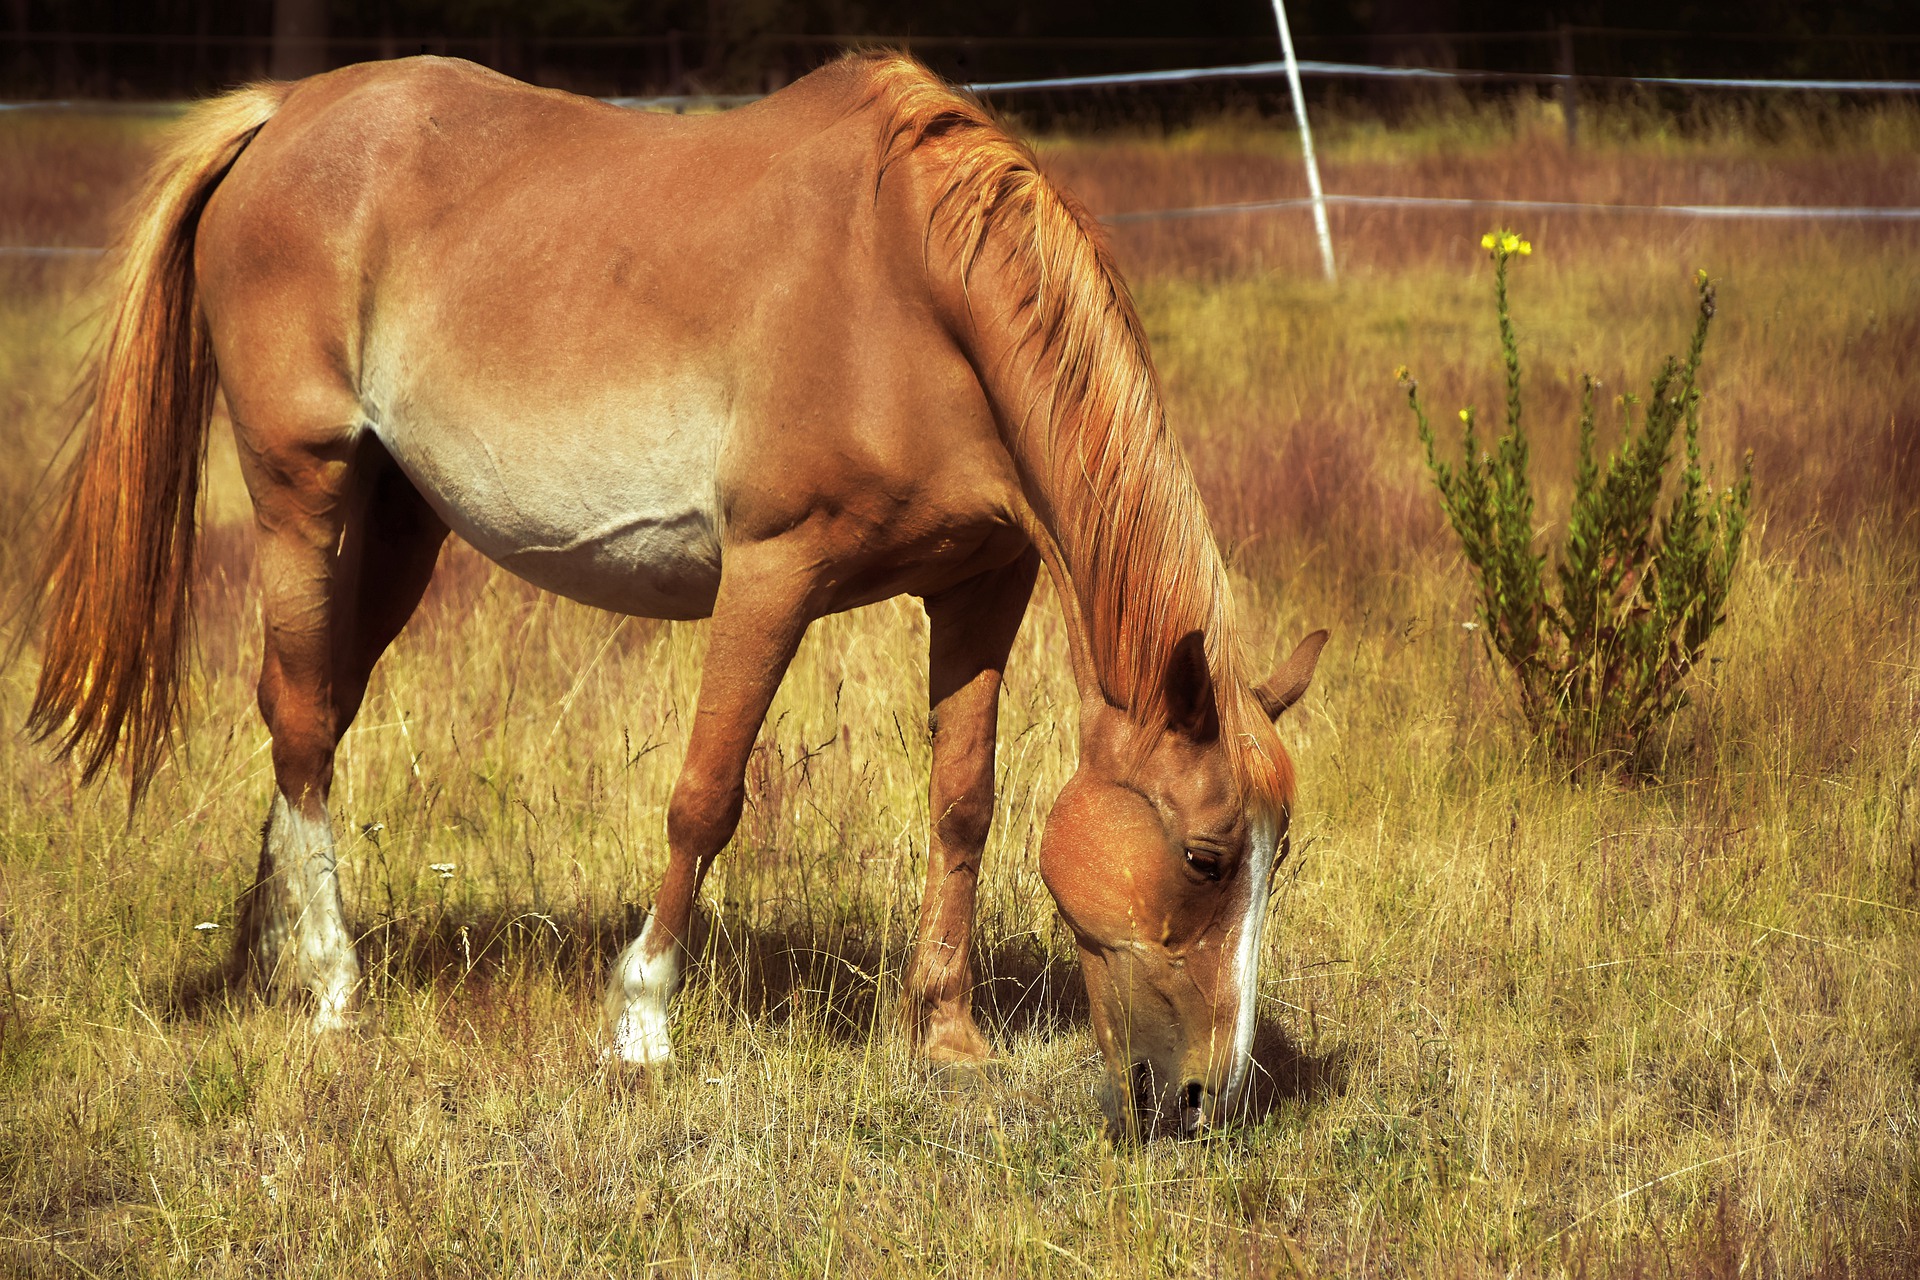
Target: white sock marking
{"x": 643, "y": 983}
{"x": 305, "y": 933}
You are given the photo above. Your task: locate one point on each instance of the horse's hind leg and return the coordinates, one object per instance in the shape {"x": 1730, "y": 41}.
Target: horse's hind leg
{"x": 971, "y": 631}
{"x": 346, "y": 547}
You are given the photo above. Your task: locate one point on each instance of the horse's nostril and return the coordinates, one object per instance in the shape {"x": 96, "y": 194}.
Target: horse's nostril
{"x": 1194, "y": 1094}
{"x": 1142, "y": 1085}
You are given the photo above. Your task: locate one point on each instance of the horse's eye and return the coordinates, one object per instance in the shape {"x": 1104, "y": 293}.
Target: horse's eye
{"x": 1204, "y": 862}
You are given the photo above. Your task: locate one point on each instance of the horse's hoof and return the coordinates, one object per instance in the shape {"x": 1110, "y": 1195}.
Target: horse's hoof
{"x": 951, "y": 1042}
{"x": 639, "y": 1041}
{"x": 611, "y": 1056}
{"x": 333, "y": 1015}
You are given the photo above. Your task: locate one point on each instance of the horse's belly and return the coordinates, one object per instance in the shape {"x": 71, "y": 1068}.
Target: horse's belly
{"x": 619, "y": 511}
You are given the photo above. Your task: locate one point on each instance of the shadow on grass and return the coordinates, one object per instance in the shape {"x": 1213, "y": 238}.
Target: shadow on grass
{"x": 845, "y": 974}
{"x": 843, "y": 978}
{"x": 1284, "y": 1071}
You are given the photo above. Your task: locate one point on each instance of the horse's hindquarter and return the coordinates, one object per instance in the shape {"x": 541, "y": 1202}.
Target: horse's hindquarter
{"x": 608, "y": 348}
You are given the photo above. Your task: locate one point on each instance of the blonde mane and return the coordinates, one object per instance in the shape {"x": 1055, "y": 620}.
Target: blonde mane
{"x": 1124, "y": 508}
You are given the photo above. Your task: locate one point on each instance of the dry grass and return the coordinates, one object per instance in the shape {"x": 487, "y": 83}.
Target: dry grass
{"x": 1516, "y": 1026}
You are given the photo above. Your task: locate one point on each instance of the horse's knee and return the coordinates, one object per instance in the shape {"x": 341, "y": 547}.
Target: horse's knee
{"x": 703, "y": 813}
{"x": 963, "y": 819}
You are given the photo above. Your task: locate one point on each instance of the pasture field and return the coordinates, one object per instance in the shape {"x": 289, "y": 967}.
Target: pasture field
{"x": 1514, "y": 1025}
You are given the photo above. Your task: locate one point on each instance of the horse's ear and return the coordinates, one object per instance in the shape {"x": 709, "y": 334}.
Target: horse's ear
{"x": 1191, "y": 708}
{"x": 1285, "y": 686}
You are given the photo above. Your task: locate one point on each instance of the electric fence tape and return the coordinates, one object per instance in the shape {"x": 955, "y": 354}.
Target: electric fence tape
{"x": 1805, "y": 213}
{"x": 1894, "y": 213}
{"x": 1363, "y": 71}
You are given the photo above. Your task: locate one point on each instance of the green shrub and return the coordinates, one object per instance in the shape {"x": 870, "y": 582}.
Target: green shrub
{"x": 1601, "y": 662}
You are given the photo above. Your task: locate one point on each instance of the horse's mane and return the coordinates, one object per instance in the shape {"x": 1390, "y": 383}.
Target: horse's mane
{"x": 1125, "y": 510}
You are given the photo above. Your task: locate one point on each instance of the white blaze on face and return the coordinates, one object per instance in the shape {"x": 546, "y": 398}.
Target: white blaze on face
{"x": 644, "y": 981}
{"x": 1262, "y": 846}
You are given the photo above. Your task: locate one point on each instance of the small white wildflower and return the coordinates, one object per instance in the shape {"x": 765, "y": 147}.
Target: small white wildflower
{"x": 206, "y": 926}
{"x": 1469, "y": 626}
{"x": 444, "y": 868}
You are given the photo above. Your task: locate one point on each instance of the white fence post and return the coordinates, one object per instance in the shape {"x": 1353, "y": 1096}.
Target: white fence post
{"x": 1306, "y": 139}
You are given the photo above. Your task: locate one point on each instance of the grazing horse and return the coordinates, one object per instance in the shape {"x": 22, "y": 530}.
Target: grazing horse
{"x": 760, "y": 367}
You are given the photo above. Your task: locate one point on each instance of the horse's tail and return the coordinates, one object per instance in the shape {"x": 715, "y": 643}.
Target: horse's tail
{"x": 116, "y": 604}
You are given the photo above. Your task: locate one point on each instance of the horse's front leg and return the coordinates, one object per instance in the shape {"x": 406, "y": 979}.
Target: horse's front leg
{"x": 971, "y": 631}
{"x": 758, "y": 619}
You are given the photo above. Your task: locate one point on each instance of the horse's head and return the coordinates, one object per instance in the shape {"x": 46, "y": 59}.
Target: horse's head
{"x": 1162, "y": 870}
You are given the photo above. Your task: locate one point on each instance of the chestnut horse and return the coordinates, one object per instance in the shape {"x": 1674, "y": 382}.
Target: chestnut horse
{"x": 763, "y": 366}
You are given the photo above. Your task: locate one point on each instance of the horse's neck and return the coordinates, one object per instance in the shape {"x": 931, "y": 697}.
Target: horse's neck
{"x": 1052, "y": 441}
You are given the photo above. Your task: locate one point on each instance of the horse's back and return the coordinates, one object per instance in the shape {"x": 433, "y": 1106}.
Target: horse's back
{"x": 591, "y": 337}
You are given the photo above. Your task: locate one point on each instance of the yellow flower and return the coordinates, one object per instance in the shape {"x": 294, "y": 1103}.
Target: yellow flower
{"x": 1466, "y": 415}
{"x": 1400, "y": 374}
{"x": 1700, "y": 277}
{"x": 1505, "y": 244}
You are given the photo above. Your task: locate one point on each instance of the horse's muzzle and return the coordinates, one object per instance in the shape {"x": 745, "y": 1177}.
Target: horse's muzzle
{"x": 1142, "y": 1108}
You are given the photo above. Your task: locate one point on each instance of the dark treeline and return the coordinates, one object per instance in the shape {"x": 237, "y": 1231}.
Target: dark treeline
{"x": 146, "y": 48}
